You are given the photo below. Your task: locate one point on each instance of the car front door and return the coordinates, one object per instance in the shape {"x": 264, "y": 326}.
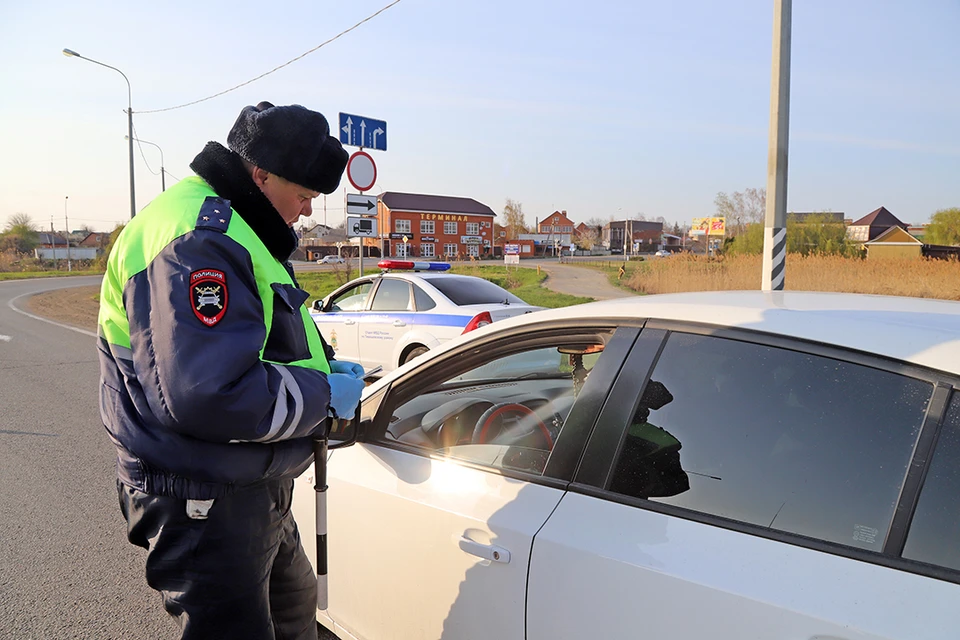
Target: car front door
{"x": 339, "y": 321}
{"x": 390, "y": 316}
{"x": 738, "y": 486}
{"x": 431, "y": 521}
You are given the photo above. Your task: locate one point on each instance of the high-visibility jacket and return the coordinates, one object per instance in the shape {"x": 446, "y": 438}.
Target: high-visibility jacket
{"x": 213, "y": 374}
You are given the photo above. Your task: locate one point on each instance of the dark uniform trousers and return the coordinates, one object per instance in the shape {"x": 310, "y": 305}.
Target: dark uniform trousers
{"x": 241, "y": 573}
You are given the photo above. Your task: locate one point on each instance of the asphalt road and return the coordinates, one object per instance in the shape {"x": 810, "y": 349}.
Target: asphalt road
{"x": 66, "y": 569}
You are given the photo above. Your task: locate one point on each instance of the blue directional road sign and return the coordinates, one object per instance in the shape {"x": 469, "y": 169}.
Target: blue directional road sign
{"x": 359, "y": 131}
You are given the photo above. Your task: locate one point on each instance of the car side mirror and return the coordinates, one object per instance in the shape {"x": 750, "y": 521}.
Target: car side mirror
{"x": 343, "y": 433}
{"x": 318, "y": 305}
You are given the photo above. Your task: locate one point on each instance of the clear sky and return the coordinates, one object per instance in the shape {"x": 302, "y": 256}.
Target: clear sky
{"x": 603, "y": 108}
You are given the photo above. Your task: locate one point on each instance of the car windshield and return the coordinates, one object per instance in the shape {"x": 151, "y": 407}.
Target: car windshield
{"x": 465, "y": 290}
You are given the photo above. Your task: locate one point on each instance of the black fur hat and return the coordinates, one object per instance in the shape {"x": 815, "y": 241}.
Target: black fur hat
{"x": 291, "y": 142}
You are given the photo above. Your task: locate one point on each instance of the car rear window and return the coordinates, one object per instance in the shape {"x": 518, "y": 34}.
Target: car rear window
{"x": 464, "y": 290}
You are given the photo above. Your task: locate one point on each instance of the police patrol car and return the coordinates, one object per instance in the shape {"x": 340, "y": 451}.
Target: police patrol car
{"x": 387, "y": 319}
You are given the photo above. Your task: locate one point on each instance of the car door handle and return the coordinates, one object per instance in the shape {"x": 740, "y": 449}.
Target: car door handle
{"x": 349, "y": 321}
{"x": 399, "y": 323}
{"x": 489, "y": 552}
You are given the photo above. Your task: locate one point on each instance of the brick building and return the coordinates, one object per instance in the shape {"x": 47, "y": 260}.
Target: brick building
{"x": 434, "y": 226}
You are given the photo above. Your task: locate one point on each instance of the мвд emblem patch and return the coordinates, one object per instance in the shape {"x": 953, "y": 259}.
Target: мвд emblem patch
{"x": 208, "y": 295}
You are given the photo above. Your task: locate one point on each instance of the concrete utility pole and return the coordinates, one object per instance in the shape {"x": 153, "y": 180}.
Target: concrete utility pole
{"x": 66, "y": 225}
{"x": 775, "y": 231}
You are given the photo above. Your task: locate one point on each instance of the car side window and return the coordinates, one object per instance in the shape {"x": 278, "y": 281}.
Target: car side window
{"x": 422, "y": 300}
{"x": 391, "y": 295}
{"x": 506, "y": 412}
{"x": 935, "y": 529}
{"x": 773, "y": 437}
{"x": 353, "y": 299}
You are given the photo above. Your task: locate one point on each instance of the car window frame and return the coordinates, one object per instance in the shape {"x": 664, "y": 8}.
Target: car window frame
{"x": 373, "y": 295}
{"x": 328, "y": 307}
{"x": 585, "y": 411}
{"x": 603, "y": 447}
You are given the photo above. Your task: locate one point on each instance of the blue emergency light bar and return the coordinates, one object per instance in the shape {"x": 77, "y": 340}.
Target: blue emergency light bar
{"x": 408, "y": 265}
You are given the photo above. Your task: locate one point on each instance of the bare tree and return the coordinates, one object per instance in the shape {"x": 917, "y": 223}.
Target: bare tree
{"x": 741, "y": 208}
{"x": 20, "y": 222}
{"x": 513, "y": 220}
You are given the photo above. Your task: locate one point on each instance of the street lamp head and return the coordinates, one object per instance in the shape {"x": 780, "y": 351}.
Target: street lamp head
{"x": 71, "y": 54}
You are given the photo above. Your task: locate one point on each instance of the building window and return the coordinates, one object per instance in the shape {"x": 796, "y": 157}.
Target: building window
{"x": 556, "y": 220}
{"x": 426, "y": 226}
{"x": 568, "y": 229}
{"x": 402, "y": 226}
{"x": 426, "y": 250}
{"x": 450, "y": 228}
{"x": 473, "y": 228}
{"x": 473, "y": 249}
{"x": 449, "y": 250}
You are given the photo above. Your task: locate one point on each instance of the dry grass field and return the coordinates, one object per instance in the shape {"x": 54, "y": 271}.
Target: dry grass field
{"x": 921, "y": 278}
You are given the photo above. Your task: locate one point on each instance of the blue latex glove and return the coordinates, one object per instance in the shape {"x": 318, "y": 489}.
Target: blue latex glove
{"x": 349, "y": 368}
{"x": 345, "y": 393}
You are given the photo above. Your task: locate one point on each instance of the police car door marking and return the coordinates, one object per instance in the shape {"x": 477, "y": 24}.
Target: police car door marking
{"x": 208, "y": 295}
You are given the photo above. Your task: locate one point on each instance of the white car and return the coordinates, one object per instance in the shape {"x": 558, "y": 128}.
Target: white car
{"x": 331, "y": 259}
{"x": 662, "y": 253}
{"x": 713, "y": 465}
{"x": 389, "y": 318}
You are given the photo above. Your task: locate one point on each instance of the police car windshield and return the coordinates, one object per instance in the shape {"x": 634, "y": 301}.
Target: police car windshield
{"x": 463, "y": 291}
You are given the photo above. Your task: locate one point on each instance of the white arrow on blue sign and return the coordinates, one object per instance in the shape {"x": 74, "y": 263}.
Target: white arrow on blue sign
{"x": 366, "y": 133}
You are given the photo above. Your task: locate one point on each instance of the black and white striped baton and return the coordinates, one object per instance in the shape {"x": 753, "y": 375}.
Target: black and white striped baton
{"x": 321, "y": 447}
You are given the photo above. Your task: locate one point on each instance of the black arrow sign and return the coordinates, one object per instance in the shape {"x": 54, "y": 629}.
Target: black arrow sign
{"x": 361, "y": 202}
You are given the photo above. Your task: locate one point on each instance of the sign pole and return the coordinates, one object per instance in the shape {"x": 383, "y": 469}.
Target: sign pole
{"x": 775, "y": 224}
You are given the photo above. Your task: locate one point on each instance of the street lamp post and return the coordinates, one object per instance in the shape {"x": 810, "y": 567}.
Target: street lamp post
{"x": 66, "y": 226}
{"x": 133, "y": 198}
{"x": 163, "y": 181}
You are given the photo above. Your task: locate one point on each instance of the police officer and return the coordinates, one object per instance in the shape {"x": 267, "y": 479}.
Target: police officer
{"x": 214, "y": 378}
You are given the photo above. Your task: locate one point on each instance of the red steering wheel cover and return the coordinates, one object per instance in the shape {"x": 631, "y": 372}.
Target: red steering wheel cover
{"x": 514, "y": 408}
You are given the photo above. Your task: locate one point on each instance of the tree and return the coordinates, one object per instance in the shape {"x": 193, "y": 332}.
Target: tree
{"x": 944, "y": 227}
{"x": 20, "y": 235}
{"x": 113, "y": 239}
{"x": 741, "y": 208}
{"x": 748, "y": 241}
{"x": 817, "y": 234}
{"x": 513, "y": 220}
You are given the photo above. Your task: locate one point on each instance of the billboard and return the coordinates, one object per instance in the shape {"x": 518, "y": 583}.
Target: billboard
{"x": 700, "y": 226}
{"x": 708, "y": 226}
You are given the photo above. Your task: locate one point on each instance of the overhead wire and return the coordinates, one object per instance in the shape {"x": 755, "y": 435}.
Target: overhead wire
{"x": 263, "y": 75}
{"x": 136, "y": 137}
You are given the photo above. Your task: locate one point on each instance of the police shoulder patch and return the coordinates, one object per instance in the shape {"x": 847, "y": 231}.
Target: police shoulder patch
{"x": 208, "y": 295}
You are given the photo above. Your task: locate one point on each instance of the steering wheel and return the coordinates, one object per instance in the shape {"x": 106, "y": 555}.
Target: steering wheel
{"x": 505, "y": 409}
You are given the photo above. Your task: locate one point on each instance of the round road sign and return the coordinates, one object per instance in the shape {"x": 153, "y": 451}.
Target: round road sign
{"x": 361, "y": 171}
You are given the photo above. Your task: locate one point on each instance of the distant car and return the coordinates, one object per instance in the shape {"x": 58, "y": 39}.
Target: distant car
{"x": 390, "y": 318}
{"x": 331, "y": 259}
{"x": 711, "y": 465}
{"x": 662, "y": 253}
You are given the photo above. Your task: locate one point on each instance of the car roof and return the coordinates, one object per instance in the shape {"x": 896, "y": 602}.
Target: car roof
{"x": 920, "y": 331}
